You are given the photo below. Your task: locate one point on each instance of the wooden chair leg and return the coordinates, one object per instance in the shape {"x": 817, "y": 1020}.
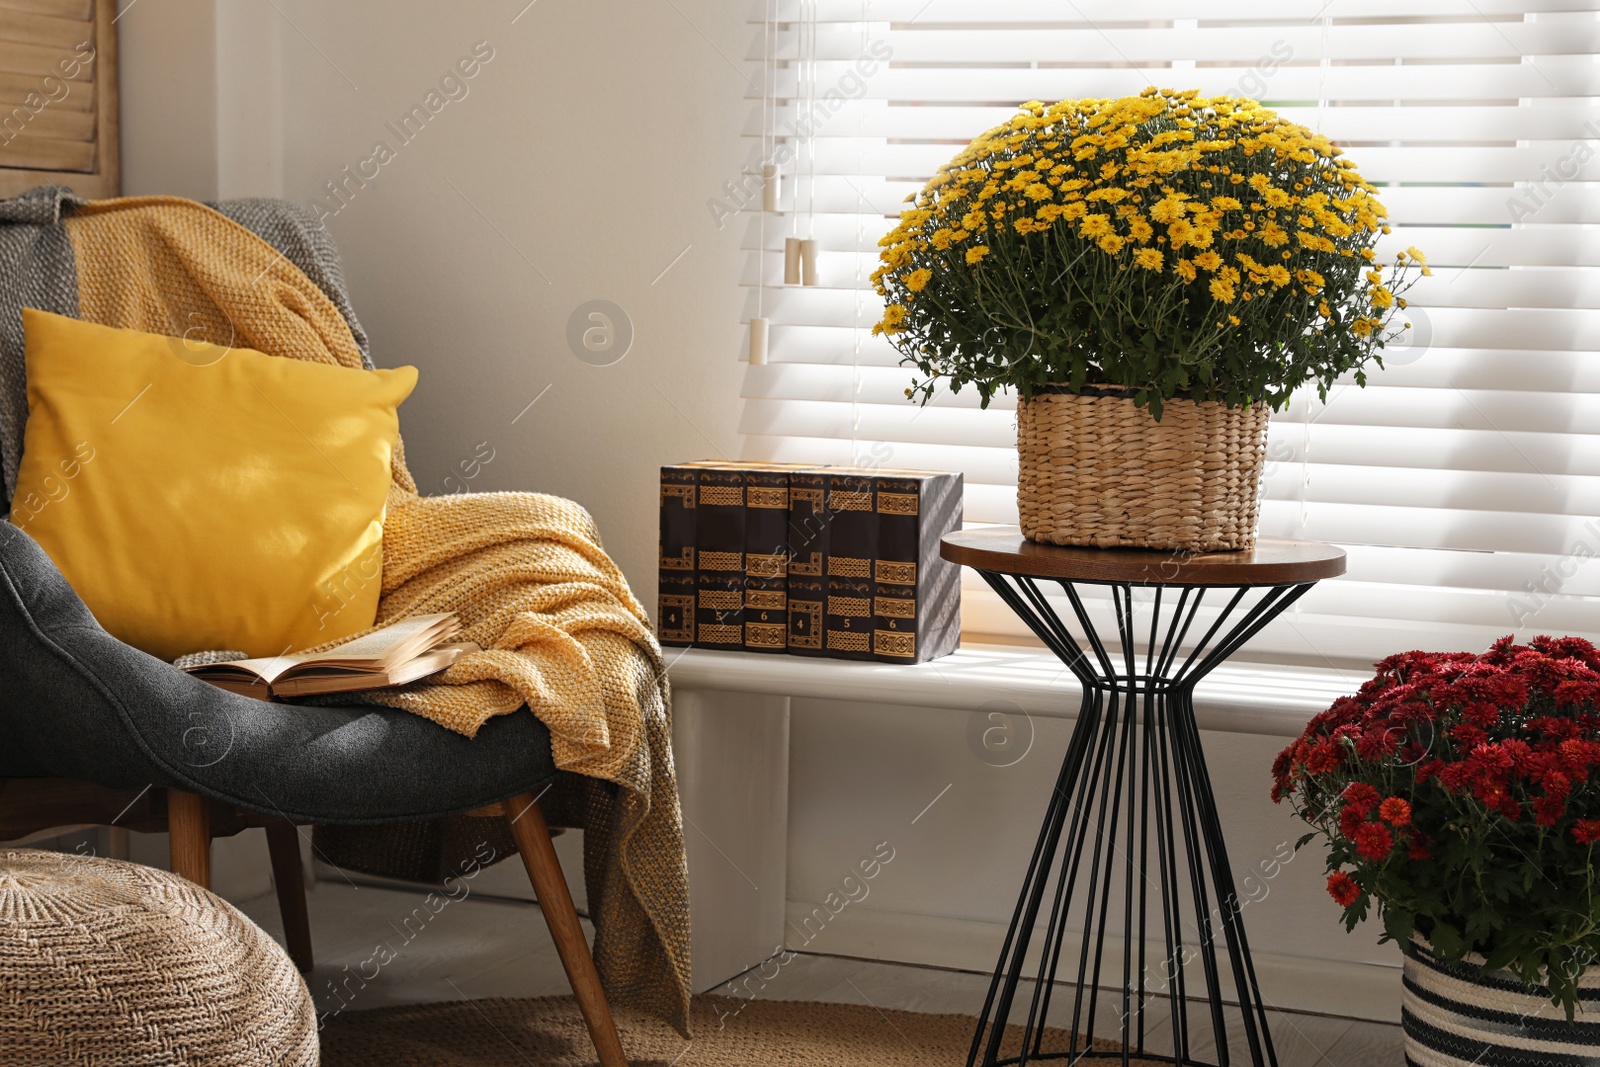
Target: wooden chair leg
{"x": 544, "y": 870}
{"x": 189, "y": 834}
{"x": 283, "y": 843}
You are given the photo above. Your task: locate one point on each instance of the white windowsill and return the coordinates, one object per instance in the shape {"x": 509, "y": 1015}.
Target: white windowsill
{"x": 1239, "y": 697}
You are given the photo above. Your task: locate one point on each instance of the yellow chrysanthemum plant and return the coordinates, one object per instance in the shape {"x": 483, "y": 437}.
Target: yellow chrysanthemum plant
{"x": 1159, "y": 246}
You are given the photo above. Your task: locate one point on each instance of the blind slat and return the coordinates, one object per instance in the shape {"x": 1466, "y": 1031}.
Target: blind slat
{"x": 1465, "y": 478}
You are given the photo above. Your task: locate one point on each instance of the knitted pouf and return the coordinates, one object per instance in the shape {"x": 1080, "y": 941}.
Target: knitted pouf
{"x": 110, "y": 963}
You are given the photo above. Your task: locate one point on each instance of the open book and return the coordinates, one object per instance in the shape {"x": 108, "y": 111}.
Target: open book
{"x": 401, "y": 652}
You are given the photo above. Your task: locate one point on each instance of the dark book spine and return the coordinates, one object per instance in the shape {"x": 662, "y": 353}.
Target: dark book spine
{"x": 808, "y": 562}
{"x": 719, "y": 559}
{"x": 916, "y": 592}
{"x": 852, "y": 542}
{"x": 676, "y": 594}
{"x": 766, "y": 561}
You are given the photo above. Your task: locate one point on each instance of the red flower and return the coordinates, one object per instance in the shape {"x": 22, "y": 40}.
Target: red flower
{"x": 1343, "y": 889}
{"x": 1360, "y": 797}
{"x": 1555, "y": 783}
{"x": 1587, "y": 831}
{"x": 1419, "y": 847}
{"x": 1395, "y": 812}
{"x": 1547, "y": 811}
{"x": 1350, "y": 820}
{"x": 1373, "y": 841}
{"x": 1429, "y": 769}
{"x": 1323, "y": 757}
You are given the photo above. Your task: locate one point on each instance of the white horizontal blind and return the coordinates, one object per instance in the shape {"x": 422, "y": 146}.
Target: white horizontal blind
{"x": 1464, "y": 480}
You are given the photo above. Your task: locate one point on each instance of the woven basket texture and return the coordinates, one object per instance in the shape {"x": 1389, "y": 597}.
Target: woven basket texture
{"x": 108, "y": 963}
{"x": 1456, "y": 1014}
{"x": 1098, "y": 471}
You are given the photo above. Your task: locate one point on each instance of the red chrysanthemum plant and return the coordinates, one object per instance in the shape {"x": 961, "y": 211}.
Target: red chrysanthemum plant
{"x": 1462, "y": 793}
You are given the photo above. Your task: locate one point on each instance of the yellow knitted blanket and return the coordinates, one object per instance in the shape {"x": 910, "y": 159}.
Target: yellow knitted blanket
{"x": 561, "y": 631}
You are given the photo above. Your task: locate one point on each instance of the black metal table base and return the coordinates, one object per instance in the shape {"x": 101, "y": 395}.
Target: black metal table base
{"x": 1142, "y": 840}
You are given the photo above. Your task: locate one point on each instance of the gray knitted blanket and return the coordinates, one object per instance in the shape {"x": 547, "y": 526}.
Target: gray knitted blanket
{"x": 38, "y": 270}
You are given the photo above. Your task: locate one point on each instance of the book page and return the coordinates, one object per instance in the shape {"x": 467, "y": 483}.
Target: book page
{"x": 267, "y": 668}
{"x": 380, "y": 646}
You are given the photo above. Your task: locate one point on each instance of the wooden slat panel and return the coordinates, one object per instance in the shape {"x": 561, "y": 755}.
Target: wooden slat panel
{"x": 72, "y": 139}
{"x": 34, "y": 59}
{"x": 107, "y": 178}
{"x": 79, "y": 95}
{"x": 82, "y": 10}
{"x": 58, "y": 125}
{"x": 64, "y": 35}
{"x": 46, "y": 153}
{"x": 14, "y": 180}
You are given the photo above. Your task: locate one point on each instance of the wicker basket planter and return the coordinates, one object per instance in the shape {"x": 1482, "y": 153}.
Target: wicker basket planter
{"x": 1458, "y": 1014}
{"x": 1096, "y": 470}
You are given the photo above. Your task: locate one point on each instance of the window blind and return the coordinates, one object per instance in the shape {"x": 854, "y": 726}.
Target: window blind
{"x": 1464, "y": 481}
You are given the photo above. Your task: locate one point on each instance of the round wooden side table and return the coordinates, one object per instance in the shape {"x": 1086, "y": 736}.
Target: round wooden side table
{"x": 1133, "y": 797}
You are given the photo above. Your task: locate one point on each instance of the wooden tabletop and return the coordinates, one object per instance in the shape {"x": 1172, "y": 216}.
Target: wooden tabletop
{"x": 1271, "y": 562}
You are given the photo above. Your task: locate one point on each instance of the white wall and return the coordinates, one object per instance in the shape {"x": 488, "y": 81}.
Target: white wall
{"x": 590, "y": 143}
{"x": 861, "y": 773}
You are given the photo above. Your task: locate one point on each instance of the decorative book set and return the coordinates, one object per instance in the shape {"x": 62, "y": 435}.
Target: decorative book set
{"x": 813, "y": 561}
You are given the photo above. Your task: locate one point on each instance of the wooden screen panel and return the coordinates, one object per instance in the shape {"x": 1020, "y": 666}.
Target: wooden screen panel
{"x": 58, "y": 96}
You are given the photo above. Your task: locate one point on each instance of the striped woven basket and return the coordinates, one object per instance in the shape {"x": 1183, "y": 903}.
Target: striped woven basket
{"x": 1096, "y": 470}
{"x": 1459, "y": 1015}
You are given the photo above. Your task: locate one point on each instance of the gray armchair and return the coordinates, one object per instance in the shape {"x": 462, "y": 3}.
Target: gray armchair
{"x": 98, "y": 732}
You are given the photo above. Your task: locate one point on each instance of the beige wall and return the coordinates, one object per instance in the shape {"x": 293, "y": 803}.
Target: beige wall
{"x": 589, "y": 143}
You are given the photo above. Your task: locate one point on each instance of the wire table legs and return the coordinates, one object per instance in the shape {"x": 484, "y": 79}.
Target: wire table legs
{"x": 1131, "y": 837}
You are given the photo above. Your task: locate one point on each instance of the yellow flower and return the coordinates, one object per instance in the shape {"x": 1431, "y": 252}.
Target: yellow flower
{"x": 1381, "y": 297}
{"x": 1185, "y": 270}
{"x": 918, "y": 280}
{"x": 976, "y": 253}
{"x": 1221, "y": 290}
{"x": 1278, "y": 274}
{"x": 1038, "y": 191}
{"x": 1274, "y": 235}
{"x": 1148, "y": 258}
{"x": 893, "y": 317}
{"x": 1179, "y": 232}
{"x": 1208, "y": 260}
{"x": 1167, "y": 209}
{"x": 1095, "y": 226}
{"x": 1226, "y": 203}
{"x": 1110, "y": 242}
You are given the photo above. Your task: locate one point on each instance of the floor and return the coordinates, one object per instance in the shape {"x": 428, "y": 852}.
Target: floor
{"x": 377, "y": 947}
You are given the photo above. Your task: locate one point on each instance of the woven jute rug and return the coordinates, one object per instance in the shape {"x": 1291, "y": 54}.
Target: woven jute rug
{"x": 549, "y": 1032}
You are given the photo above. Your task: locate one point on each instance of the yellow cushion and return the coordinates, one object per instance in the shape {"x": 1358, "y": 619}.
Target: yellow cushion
{"x": 200, "y": 497}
